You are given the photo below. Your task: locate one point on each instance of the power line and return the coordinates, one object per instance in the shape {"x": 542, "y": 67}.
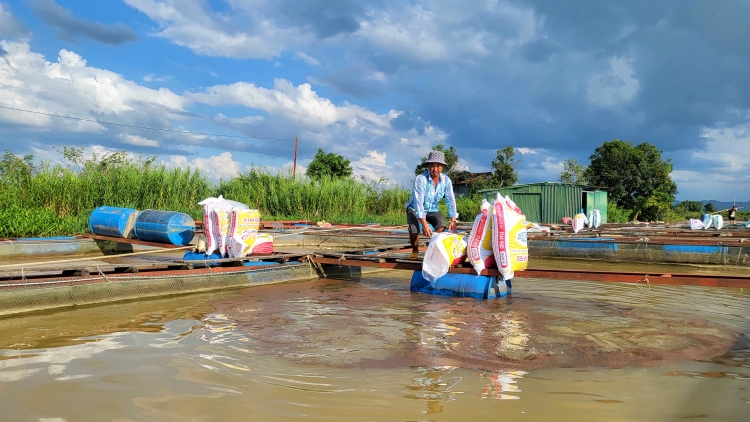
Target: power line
{"x": 144, "y": 127}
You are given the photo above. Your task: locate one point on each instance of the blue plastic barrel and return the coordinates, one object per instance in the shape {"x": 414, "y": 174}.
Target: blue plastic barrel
{"x": 172, "y": 227}
{"x": 112, "y": 221}
{"x": 461, "y": 285}
{"x": 201, "y": 258}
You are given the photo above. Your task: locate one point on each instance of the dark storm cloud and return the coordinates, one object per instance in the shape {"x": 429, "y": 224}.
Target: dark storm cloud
{"x": 70, "y": 27}
{"x": 325, "y": 19}
{"x": 349, "y": 80}
{"x": 538, "y": 51}
{"x": 566, "y": 88}
{"x": 9, "y": 25}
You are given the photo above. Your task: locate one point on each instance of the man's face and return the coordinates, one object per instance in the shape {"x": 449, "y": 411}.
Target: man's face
{"x": 435, "y": 169}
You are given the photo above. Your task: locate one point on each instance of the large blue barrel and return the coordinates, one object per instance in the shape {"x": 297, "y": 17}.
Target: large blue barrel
{"x": 112, "y": 221}
{"x": 202, "y": 258}
{"x": 461, "y": 285}
{"x": 172, "y": 227}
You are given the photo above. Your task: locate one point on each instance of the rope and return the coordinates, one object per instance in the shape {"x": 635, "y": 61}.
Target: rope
{"x": 102, "y": 274}
{"x": 25, "y": 264}
{"x": 313, "y": 263}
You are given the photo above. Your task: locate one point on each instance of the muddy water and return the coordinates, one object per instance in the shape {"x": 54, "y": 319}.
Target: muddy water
{"x": 371, "y": 350}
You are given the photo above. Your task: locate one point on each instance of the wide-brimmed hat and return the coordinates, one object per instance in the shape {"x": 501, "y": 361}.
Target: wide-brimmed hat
{"x": 435, "y": 157}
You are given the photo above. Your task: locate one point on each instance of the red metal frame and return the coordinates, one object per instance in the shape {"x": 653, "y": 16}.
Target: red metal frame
{"x": 582, "y": 275}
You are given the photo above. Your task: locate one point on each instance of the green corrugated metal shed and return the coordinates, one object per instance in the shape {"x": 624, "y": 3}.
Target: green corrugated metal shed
{"x": 548, "y": 202}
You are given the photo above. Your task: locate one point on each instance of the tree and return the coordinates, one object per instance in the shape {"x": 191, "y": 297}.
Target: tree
{"x": 504, "y": 168}
{"x": 709, "y": 207}
{"x": 637, "y": 177}
{"x": 689, "y": 206}
{"x": 329, "y": 165}
{"x": 573, "y": 172}
{"x": 15, "y": 169}
{"x": 451, "y": 158}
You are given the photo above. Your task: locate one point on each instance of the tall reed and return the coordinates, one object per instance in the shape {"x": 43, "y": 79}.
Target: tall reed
{"x": 58, "y": 200}
{"x": 341, "y": 200}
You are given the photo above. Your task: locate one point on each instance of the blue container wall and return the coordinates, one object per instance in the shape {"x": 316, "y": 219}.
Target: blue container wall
{"x": 165, "y": 226}
{"x": 112, "y": 221}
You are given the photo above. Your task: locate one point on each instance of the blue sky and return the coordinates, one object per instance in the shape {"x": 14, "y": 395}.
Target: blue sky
{"x": 381, "y": 81}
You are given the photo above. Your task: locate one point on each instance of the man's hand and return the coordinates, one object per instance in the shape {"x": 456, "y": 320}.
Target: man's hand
{"x": 452, "y": 226}
{"x": 426, "y": 230}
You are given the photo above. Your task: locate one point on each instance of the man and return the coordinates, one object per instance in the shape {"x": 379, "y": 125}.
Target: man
{"x": 429, "y": 188}
{"x": 733, "y": 214}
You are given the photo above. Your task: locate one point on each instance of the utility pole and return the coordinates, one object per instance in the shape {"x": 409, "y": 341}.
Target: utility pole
{"x": 294, "y": 168}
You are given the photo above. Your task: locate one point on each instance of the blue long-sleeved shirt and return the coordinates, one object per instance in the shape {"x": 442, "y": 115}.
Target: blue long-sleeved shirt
{"x": 425, "y": 195}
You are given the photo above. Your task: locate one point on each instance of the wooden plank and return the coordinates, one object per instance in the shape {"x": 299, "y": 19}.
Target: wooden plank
{"x": 249, "y": 258}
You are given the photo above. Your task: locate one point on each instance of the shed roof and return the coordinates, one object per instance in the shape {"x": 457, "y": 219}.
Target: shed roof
{"x": 543, "y": 183}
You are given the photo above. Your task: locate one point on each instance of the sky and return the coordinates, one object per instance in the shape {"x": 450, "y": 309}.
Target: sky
{"x": 226, "y": 85}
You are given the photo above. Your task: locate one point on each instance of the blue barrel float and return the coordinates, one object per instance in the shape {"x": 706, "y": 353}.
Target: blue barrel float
{"x": 172, "y": 227}
{"x": 461, "y": 285}
{"x": 112, "y": 221}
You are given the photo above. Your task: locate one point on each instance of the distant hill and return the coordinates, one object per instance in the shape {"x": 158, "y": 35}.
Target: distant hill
{"x": 724, "y": 205}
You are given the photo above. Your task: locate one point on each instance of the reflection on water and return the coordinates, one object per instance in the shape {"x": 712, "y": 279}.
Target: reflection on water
{"x": 433, "y": 385}
{"x": 501, "y": 384}
{"x": 371, "y": 350}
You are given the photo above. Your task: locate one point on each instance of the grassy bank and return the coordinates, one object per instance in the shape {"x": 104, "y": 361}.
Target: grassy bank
{"x": 47, "y": 200}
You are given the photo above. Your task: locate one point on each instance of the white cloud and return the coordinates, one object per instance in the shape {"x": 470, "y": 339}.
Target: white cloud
{"x": 151, "y": 77}
{"x": 615, "y": 87}
{"x": 371, "y": 166}
{"x": 138, "y": 141}
{"x": 70, "y": 59}
{"x": 377, "y": 76}
{"x": 409, "y": 32}
{"x": 719, "y": 170}
{"x": 307, "y": 59}
{"x": 216, "y": 167}
{"x": 247, "y": 120}
{"x": 426, "y": 32}
{"x": 729, "y": 147}
{"x": 69, "y": 87}
{"x": 526, "y": 151}
{"x": 189, "y": 23}
{"x": 461, "y": 165}
{"x": 300, "y": 104}
{"x": 72, "y": 87}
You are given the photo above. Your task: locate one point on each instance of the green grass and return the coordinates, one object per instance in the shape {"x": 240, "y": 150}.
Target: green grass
{"x": 58, "y": 200}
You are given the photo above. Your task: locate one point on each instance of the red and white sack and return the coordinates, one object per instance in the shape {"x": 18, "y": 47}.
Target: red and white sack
{"x": 243, "y": 232}
{"x": 509, "y": 237}
{"x": 209, "y": 228}
{"x": 696, "y": 224}
{"x": 217, "y": 220}
{"x": 479, "y": 250}
{"x": 263, "y": 244}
